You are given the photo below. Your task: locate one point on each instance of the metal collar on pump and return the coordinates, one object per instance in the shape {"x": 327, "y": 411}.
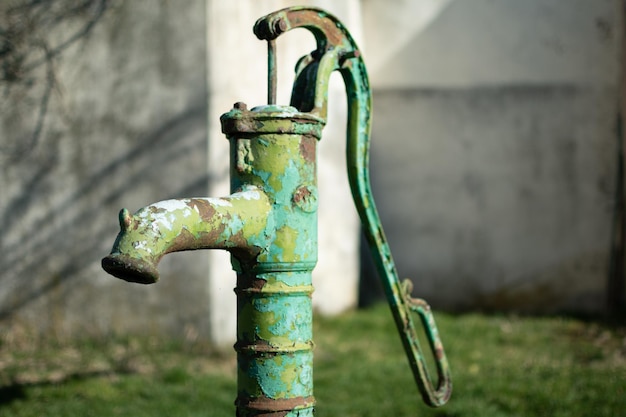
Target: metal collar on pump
{"x": 271, "y": 118}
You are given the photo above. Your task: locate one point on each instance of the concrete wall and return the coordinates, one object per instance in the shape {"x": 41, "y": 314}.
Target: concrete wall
{"x": 117, "y": 114}
{"x": 113, "y": 116}
{"x": 494, "y": 156}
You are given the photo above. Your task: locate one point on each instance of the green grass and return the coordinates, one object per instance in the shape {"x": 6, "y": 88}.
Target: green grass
{"x": 501, "y": 365}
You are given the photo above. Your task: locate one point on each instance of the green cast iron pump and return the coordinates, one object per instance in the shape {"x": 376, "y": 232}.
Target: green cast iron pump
{"x": 269, "y": 225}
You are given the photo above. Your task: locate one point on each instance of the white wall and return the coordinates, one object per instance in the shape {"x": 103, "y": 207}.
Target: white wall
{"x": 115, "y": 118}
{"x": 132, "y": 112}
{"x": 493, "y": 156}
{"x": 494, "y": 153}
{"x": 237, "y": 71}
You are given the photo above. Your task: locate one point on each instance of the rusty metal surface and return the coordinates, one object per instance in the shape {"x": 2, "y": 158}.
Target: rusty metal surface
{"x": 271, "y": 72}
{"x": 274, "y": 147}
{"x": 269, "y": 225}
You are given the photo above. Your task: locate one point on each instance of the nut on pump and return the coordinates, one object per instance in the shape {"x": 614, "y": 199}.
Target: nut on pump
{"x": 269, "y": 225}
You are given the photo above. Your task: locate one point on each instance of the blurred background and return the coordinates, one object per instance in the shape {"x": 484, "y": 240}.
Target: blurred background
{"x": 497, "y": 155}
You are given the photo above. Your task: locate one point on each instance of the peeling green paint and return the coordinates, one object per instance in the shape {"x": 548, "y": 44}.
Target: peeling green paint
{"x": 269, "y": 225}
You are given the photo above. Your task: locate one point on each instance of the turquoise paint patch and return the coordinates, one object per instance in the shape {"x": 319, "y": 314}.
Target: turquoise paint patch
{"x": 279, "y": 377}
{"x": 285, "y": 317}
{"x": 235, "y": 225}
{"x": 288, "y": 278}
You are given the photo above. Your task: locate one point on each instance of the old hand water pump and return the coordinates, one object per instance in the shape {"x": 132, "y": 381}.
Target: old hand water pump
{"x": 269, "y": 225}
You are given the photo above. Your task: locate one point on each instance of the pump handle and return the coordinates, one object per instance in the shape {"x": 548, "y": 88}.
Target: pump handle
{"x": 336, "y": 50}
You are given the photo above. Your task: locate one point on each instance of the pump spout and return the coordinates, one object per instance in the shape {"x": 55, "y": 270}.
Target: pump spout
{"x": 240, "y": 223}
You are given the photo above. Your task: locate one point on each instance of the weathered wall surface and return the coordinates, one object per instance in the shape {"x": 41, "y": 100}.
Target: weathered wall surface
{"x": 104, "y": 107}
{"x": 120, "y": 108}
{"x": 493, "y": 152}
{"x": 494, "y": 156}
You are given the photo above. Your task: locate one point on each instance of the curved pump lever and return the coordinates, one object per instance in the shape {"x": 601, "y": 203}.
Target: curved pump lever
{"x": 336, "y": 50}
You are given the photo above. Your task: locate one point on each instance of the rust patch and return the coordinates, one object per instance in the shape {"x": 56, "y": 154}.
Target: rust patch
{"x": 301, "y": 195}
{"x": 248, "y": 280}
{"x": 206, "y": 210}
{"x": 265, "y": 406}
{"x": 240, "y": 105}
{"x": 258, "y": 283}
{"x": 308, "y": 149}
{"x": 184, "y": 241}
{"x": 305, "y": 198}
{"x": 324, "y": 24}
{"x": 254, "y": 347}
{"x": 237, "y": 240}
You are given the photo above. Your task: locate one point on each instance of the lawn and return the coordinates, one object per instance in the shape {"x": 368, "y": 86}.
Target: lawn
{"x": 501, "y": 365}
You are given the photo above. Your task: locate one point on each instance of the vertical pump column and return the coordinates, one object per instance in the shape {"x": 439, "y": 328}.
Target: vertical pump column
{"x": 274, "y": 148}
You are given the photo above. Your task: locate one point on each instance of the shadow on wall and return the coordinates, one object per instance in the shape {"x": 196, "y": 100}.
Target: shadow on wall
{"x": 68, "y": 227}
{"x": 25, "y": 49}
{"x": 499, "y": 201}
{"x": 494, "y": 151}
{"x": 64, "y": 174}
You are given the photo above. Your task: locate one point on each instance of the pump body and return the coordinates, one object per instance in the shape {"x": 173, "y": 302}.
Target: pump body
{"x": 269, "y": 225}
{"x": 274, "y": 148}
